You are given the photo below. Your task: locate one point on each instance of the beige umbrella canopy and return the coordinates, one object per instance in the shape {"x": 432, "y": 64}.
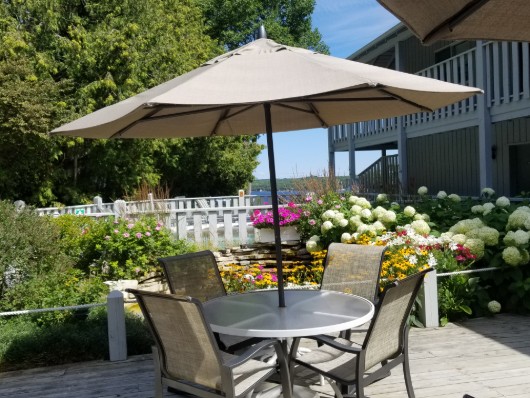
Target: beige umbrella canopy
{"x": 433, "y": 20}
{"x": 266, "y": 87}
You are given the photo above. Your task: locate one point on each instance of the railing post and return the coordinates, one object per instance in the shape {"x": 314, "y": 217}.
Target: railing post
{"x": 98, "y": 201}
{"x": 116, "y": 326}
{"x": 120, "y": 208}
{"x": 429, "y": 301}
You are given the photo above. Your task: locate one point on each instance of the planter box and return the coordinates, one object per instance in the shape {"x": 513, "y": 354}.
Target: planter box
{"x": 266, "y": 235}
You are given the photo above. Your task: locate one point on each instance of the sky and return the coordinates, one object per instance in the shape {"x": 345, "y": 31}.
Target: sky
{"x": 346, "y": 26}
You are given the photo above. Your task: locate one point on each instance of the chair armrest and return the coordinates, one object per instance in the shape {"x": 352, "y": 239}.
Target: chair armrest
{"x": 251, "y": 352}
{"x": 332, "y": 342}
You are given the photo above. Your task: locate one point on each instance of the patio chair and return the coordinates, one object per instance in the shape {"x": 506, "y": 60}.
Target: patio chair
{"x": 353, "y": 269}
{"x": 187, "y": 358}
{"x": 346, "y": 364}
{"x": 197, "y": 275}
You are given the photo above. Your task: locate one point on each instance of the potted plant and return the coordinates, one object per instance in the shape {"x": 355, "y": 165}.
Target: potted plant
{"x": 263, "y": 223}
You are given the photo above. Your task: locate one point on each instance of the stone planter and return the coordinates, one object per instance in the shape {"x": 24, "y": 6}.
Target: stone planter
{"x": 266, "y": 235}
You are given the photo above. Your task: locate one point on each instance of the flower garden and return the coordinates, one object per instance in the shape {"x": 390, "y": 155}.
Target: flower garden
{"x": 447, "y": 232}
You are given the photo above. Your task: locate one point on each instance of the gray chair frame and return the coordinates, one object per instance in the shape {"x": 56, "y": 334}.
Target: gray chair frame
{"x": 187, "y": 357}
{"x": 386, "y": 343}
{"x": 197, "y": 275}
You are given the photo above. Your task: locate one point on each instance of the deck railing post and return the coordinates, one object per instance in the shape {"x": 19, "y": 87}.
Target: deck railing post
{"x": 429, "y": 301}
{"x": 116, "y": 326}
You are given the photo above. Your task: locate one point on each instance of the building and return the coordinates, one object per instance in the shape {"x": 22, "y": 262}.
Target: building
{"x": 481, "y": 142}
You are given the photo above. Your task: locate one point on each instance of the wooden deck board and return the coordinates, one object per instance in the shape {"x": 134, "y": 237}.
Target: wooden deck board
{"x": 486, "y": 358}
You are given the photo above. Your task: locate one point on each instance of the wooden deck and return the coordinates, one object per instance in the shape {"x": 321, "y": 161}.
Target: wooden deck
{"x": 487, "y": 357}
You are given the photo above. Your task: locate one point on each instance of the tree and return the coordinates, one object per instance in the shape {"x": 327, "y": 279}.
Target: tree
{"x": 234, "y": 22}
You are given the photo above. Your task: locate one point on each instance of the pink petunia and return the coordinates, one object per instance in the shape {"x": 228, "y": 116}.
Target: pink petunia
{"x": 312, "y": 222}
{"x": 130, "y": 226}
{"x": 139, "y": 235}
{"x": 320, "y": 201}
{"x": 148, "y": 233}
{"x": 116, "y": 231}
{"x": 126, "y": 235}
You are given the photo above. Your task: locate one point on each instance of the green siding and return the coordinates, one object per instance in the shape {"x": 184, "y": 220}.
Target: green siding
{"x": 445, "y": 162}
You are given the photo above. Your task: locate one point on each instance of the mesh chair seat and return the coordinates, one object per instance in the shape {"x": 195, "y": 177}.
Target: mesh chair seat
{"x": 353, "y": 269}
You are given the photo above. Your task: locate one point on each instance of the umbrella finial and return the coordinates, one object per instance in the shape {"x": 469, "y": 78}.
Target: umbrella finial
{"x": 262, "y": 34}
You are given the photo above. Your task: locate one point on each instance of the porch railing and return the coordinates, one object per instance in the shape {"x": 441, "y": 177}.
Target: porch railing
{"x": 506, "y": 84}
{"x": 381, "y": 176}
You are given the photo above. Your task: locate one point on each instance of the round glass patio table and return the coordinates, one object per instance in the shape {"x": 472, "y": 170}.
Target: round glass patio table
{"x": 307, "y": 313}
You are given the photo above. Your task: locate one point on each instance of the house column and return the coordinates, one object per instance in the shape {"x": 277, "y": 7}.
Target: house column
{"x": 484, "y": 121}
{"x": 351, "y": 153}
{"x": 331, "y": 151}
{"x": 401, "y": 132}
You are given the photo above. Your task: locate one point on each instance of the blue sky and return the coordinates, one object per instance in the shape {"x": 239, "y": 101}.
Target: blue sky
{"x": 346, "y": 26}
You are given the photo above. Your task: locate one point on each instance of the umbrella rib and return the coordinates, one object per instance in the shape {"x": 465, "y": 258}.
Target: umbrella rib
{"x": 398, "y": 97}
{"x": 120, "y": 132}
{"x": 456, "y": 19}
{"x": 313, "y": 111}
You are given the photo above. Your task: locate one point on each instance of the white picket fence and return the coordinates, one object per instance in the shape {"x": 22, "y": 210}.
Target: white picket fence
{"x": 219, "y": 221}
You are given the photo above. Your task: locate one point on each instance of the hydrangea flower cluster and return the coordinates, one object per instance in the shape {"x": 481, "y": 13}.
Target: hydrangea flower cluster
{"x": 473, "y": 234}
{"x": 289, "y": 215}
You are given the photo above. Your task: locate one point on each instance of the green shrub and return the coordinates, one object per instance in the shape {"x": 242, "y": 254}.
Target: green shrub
{"x": 29, "y": 247}
{"x": 127, "y": 249}
{"x": 24, "y": 344}
{"x": 55, "y": 289}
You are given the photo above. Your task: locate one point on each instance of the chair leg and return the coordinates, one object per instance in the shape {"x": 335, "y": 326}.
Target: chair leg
{"x": 159, "y": 388}
{"x": 408, "y": 380}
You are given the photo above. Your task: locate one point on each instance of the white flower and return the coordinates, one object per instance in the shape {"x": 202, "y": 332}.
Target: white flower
{"x": 519, "y": 218}
{"x": 426, "y": 217}
{"x": 475, "y": 246}
{"x": 488, "y": 206}
{"x": 418, "y": 216}
{"x": 488, "y": 192}
{"x": 366, "y": 214}
{"x": 328, "y": 214}
{"x": 338, "y": 216}
{"x": 356, "y": 209}
{"x": 364, "y": 203}
{"x": 431, "y": 262}
{"x": 409, "y": 211}
{"x": 343, "y": 223}
{"x": 355, "y": 221}
{"x": 312, "y": 246}
{"x": 494, "y": 307}
{"x": 441, "y": 195}
{"x": 503, "y": 201}
{"x": 345, "y": 237}
{"x": 421, "y": 227}
{"x": 478, "y": 209}
{"x": 388, "y": 217}
{"x": 489, "y": 235}
{"x": 413, "y": 259}
{"x": 379, "y": 227}
{"x": 454, "y": 197}
{"x": 326, "y": 226}
{"x": 512, "y": 256}
{"x": 459, "y": 238}
{"x": 352, "y": 199}
{"x": 521, "y": 237}
{"x": 381, "y": 198}
{"x": 422, "y": 190}
{"x": 315, "y": 238}
{"x": 378, "y": 212}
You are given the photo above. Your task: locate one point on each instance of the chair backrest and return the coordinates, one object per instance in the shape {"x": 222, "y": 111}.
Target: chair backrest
{"x": 188, "y": 350}
{"x": 385, "y": 337}
{"x": 194, "y": 274}
{"x": 353, "y": 269}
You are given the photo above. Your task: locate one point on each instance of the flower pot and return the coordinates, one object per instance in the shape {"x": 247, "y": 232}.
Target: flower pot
{"x": 266, "y": 235}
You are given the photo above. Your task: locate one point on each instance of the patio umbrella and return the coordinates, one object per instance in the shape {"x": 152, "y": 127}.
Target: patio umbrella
{"x": 266, "y": 87}
{"x": 433, "y": 20}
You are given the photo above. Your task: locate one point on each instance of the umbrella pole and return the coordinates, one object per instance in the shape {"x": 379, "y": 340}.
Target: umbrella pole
{"x": 274, "y": 198}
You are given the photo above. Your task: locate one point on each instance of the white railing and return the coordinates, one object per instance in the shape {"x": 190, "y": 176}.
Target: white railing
{"x": 506, "y": 82}
{"x": 213, "y": 221}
